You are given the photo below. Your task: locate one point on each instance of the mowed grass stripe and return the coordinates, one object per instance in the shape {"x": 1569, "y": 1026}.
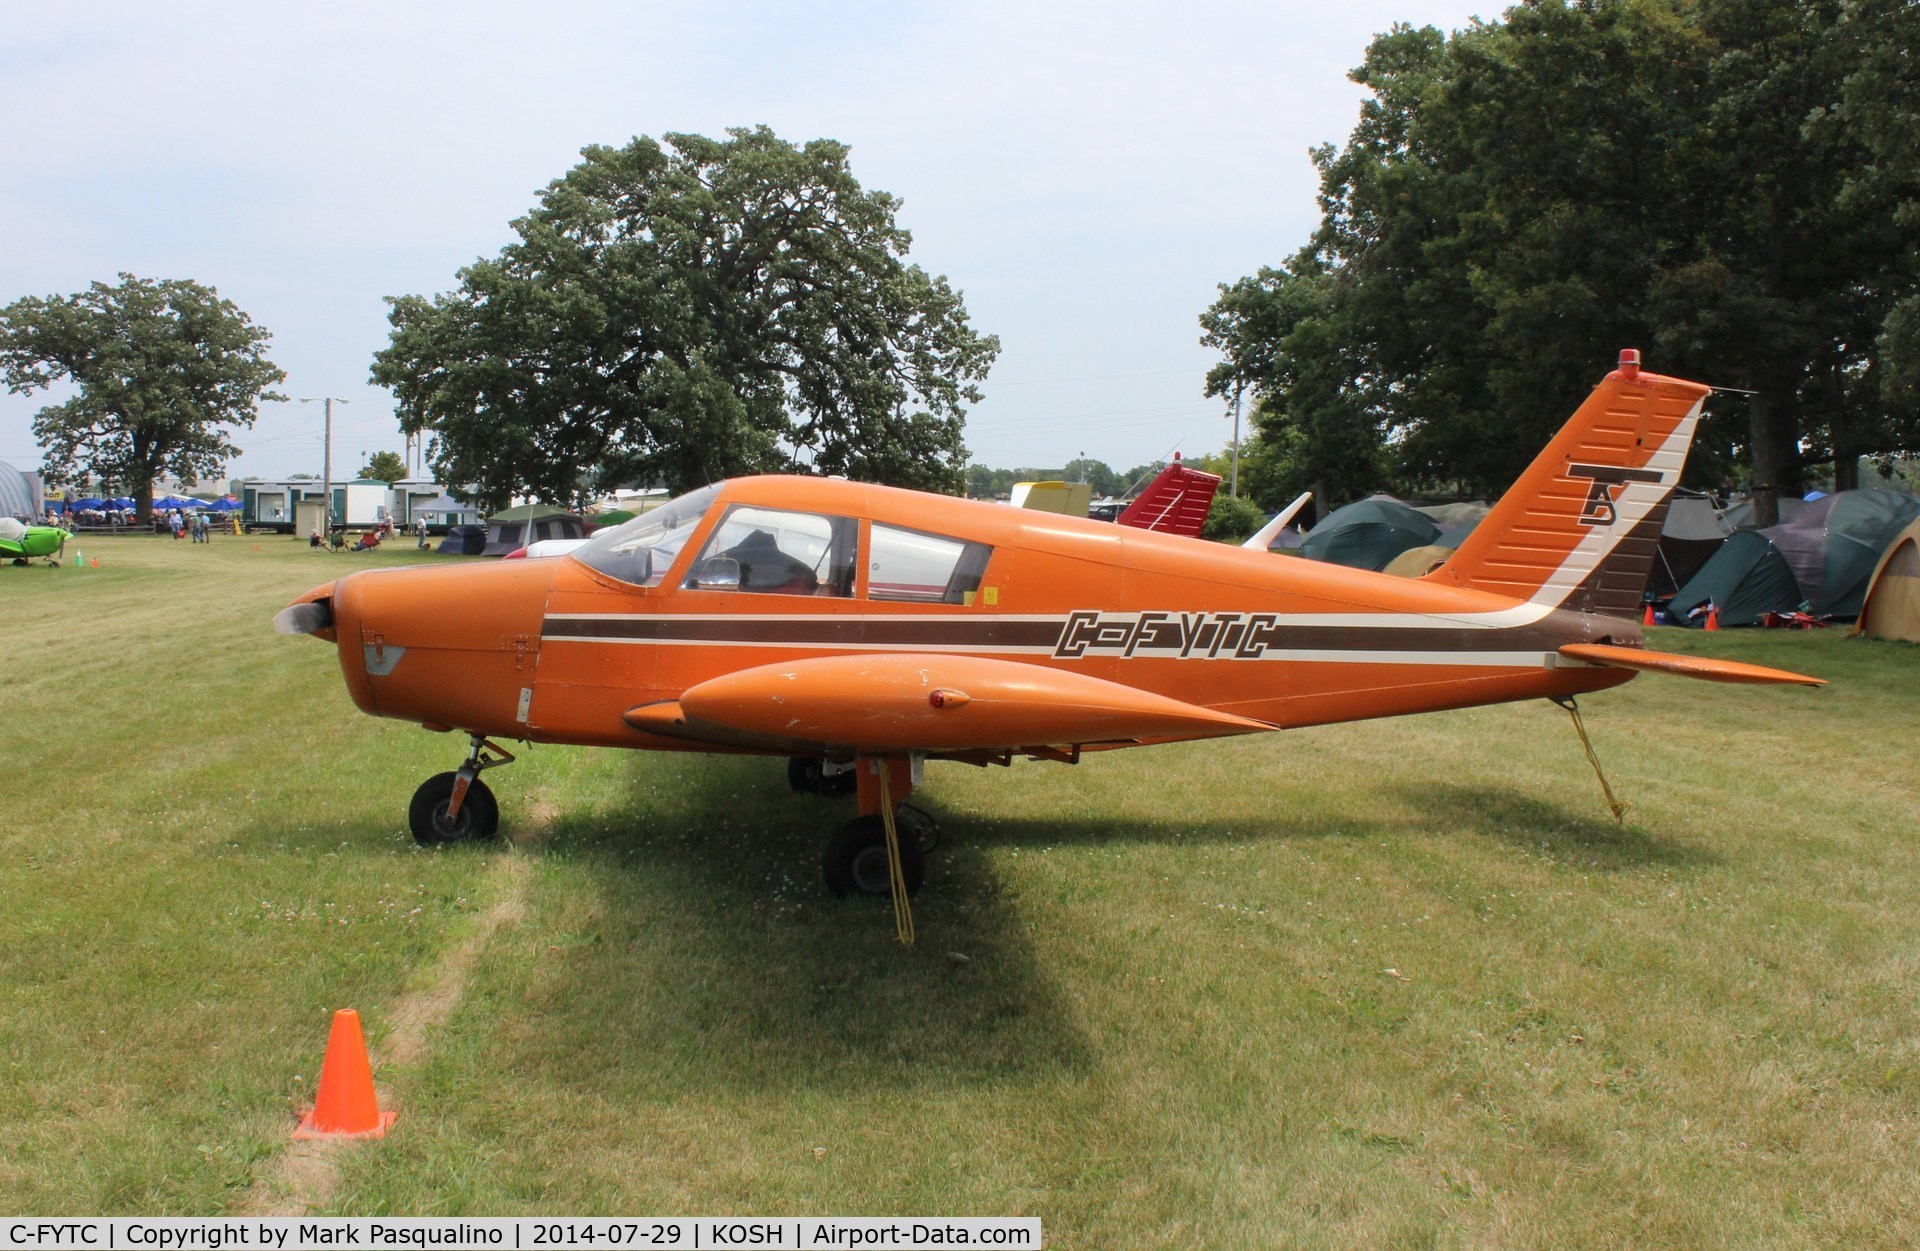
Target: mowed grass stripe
{"x": 190, "y": 900}
{"x": 1174, "y": 1023}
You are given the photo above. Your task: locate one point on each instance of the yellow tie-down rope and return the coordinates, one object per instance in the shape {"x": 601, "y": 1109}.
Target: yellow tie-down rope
{"x": 1573, "y": 710}
{"x": 902, "y": 909}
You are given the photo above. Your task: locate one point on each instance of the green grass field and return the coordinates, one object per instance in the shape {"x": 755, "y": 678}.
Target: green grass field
{"x": 1400, "y": 984}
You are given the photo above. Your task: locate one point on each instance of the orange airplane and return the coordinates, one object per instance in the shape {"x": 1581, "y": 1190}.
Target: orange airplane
{"x": 863, "y": 630}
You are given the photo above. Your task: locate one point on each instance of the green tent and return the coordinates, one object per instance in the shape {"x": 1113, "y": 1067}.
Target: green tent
{"x": 1369, "y": 533}
{"x": 530, "y": 523}
{"x": 1746, "y": 579}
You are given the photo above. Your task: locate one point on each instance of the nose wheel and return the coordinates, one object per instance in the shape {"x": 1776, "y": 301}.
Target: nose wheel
{"x": 458, "y": 807}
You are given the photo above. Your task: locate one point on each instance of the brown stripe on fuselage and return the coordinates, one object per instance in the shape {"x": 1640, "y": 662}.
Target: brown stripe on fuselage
{"x": 810, "y": 631}
{"x": 1162, "y": 639}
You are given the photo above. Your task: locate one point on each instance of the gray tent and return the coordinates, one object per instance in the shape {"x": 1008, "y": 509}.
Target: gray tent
{"x": 1691, "y": 534}
{"x": 1834, "y": 542}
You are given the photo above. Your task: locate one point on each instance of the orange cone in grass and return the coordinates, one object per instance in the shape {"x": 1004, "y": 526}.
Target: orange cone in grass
{"x": 1713, "y": 617}
{"x": 1646, "y": 619}
{"x": 344, "y": 1106}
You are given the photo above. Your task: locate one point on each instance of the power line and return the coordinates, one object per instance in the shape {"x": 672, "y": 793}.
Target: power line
{"x": 1052, "y": 421}
{"x": 1041, "y": 382}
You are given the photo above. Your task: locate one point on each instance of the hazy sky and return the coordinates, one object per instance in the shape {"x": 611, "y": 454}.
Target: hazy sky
{"x": 1085, "y": 174}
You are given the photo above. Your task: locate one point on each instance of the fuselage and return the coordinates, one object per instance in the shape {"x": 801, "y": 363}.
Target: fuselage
{"x": 557, "y": 650}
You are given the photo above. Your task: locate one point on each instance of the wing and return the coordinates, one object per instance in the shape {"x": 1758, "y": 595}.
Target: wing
{"x": 906, "y": 702}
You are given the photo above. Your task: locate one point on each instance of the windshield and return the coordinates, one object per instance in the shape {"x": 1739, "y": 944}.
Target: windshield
{"x": 640, "y": 550}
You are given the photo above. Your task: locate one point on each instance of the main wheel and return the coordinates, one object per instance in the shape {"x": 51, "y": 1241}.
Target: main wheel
{"x": 856, "y": 859}
{"x": 479, "y": 813}
{"x": 808, "y": 776}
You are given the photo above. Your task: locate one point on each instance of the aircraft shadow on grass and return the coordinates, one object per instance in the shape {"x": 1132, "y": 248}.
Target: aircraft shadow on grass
{"x": 716, "y": 948}
{"x": 716, "y": 945}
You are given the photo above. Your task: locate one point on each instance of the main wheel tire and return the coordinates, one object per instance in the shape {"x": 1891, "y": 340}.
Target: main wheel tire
{"x": 856, "y": 859}
{"x": 479, "y": 813}
{"x": 808, "y": 776}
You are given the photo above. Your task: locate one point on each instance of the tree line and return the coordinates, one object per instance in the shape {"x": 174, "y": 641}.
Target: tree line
{"x": 670, "y": 313}
{"x": 1731, "y": 185}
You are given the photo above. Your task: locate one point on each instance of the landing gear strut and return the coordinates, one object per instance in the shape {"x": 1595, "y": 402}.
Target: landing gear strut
{"x": 458, "y": 807}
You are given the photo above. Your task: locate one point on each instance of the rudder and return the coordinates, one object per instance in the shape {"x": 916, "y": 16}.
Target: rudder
{"x": 1581, "y": 527}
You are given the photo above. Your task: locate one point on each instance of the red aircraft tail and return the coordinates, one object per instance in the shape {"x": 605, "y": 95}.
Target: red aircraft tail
{"x": 1581, "y": 527}
{"x": 1176, "y": 502}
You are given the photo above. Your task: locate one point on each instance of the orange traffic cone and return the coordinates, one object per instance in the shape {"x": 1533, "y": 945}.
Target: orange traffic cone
{"x": 96, "y": 562}
{"x": 1646, "y": 618}
{"x": 344, "y": 1106}
{"x": 1713, "y": 617}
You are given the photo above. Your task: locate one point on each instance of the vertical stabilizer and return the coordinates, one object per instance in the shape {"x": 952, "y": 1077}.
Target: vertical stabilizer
{"x": 1581, "y": 527}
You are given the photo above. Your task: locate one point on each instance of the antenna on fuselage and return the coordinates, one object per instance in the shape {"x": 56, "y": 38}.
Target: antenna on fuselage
{"x": 1271, "y": 531}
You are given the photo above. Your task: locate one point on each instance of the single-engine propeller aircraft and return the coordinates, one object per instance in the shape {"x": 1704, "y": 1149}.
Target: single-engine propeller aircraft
{"x": 22, "y": 543}
{"x": 863, "y": 630}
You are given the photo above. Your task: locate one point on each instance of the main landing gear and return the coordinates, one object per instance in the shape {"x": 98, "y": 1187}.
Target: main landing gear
{"x": 856, "y": 861}
{"x": 458, "y": 807}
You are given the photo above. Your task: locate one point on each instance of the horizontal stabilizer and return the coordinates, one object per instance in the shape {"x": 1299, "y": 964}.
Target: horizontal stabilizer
{"x": 1685, "y": 666}
{"x": 905, "y": 702}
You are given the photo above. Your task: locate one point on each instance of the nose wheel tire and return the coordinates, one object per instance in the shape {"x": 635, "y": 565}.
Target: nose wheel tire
{"x": 479, "y": 812}
{"x": 856, "y": 858}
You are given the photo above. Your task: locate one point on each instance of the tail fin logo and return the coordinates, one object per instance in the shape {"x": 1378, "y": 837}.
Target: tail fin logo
{"x": 1606, "y": 482}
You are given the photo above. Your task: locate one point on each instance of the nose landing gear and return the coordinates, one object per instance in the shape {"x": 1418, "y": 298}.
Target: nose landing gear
{"x": 458, "y": 807}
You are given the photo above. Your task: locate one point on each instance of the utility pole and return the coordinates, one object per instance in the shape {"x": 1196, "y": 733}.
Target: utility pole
{"x": 1233, "y": 489}
{"x": 326, "y": 460}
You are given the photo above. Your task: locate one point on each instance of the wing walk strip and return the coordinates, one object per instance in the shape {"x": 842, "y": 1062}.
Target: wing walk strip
{"x": 1505, "y": 639}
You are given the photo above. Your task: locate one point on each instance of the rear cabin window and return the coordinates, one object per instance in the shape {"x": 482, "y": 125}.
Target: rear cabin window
{"x": 923, "y": 568}
{"x": 770, "y": 551}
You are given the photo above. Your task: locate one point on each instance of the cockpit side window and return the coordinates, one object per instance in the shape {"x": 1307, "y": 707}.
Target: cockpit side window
{"x": 639, "y": 551}
{"x": 771, "y": 551}
{"x": 924, "y": 568}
